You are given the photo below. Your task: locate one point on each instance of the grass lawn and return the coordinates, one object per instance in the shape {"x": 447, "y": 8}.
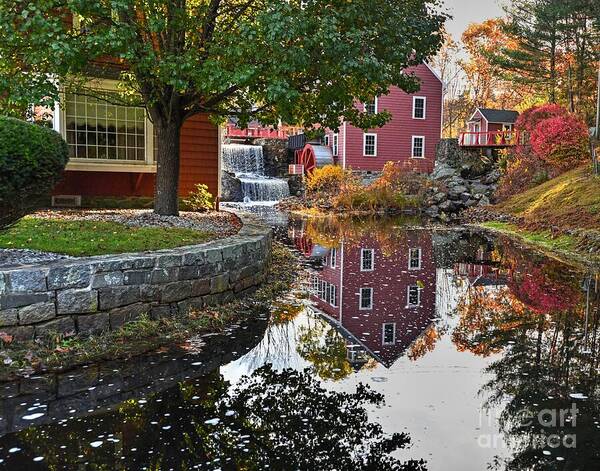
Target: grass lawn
{"x": 83, "y": 238}
{"x": 543, "y": 239}
{"x": 569, "y": 201}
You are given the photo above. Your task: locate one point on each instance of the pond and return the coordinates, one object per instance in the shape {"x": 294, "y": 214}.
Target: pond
{"x": 403, "y": 348}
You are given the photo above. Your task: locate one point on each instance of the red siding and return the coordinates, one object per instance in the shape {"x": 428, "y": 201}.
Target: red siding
{"x": 199, "y": 164}
{"x": 394, "y": 140}
{"x": 390, "y": 280}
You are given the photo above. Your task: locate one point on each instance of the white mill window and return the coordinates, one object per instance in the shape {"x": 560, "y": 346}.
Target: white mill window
{"x": 414, "y": 259}
{"x": 367, "y": 259}
{"x": 366, "y": 299}
{"x": 333, "y": 258}
{"x": 335, "y": 146}
{"x": 370, "y": 145}
{"x": 371, "y": 107}
{"x": 418, "y": 147}
{"x": 414, "y": 296}
{"x": 419, "y": 107}
{"x": 102, "y": 131}
{"x": 388, "y": 334}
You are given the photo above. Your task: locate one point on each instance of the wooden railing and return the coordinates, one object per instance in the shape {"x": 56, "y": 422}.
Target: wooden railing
{"x": 489, "y": 139}
{"x": 259, "y": 132}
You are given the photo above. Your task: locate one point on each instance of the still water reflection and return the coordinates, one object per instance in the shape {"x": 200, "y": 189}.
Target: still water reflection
{"x": 480, "y": 353}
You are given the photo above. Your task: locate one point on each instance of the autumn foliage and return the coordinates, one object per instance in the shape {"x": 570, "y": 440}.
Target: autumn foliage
{"x": 557, "y": 142}
{"x": 561, "y": 141}
{"x": 399, "y": 187}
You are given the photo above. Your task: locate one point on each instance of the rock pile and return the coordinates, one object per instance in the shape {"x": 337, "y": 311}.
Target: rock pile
{"x": 462, "y": 179}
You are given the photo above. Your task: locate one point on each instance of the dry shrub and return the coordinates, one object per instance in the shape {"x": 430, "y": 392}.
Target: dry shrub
{"x": 523, "y": 171}
{"x": 398, "y": 187}
{"x": 329, "y": 179}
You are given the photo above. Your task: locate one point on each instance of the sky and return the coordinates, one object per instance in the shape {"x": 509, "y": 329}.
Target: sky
{"x": 465, "y": 12}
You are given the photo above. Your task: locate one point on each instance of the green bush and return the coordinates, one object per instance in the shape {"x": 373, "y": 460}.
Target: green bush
{"x": 32, "y": 159}
{"x": 200, "y": 199}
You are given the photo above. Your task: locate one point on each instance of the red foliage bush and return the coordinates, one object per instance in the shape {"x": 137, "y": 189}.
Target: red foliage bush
{"x": 543, "y": 295}
{"x": 557, "y": 142}
{"x": 529, "y": 119}
{"x": 561, "y": 141}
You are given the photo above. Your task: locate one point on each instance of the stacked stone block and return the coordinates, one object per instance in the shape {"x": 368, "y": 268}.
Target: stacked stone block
{"x": 95, "y": 294}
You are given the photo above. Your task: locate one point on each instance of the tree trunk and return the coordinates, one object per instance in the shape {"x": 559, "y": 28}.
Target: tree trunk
{"x": 167, "y": 172}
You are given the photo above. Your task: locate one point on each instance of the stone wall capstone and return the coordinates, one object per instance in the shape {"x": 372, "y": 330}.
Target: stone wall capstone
{"x": 93, "y": 294}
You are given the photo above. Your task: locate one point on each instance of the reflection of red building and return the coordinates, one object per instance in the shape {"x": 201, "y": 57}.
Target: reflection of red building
{"x": 381, "y": 302}
{"x": 483, "y": 271}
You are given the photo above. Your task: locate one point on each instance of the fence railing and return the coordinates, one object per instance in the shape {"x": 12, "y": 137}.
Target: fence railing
{"x": 490, "y": 139}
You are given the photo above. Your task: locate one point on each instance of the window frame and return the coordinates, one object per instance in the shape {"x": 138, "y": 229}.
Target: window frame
{"x": 410, "y": 251}
{"x": 408, "y": 303}
{"x": 333, "y": 293}
{"x": 326, "y": 139}
{"x": 362, "y": 252}
{"x": 148, "y": 165}
{"x": 360, "y": 298}
{"x": 412, "y": 147}
{"x": 415, "y": 98}
{"x": 369, "y": 134}
{"x": 333, "y": 258}
{"x": 375, "y": 104}
{"x": 383, "y": 326}
{"x": 335, "y": 144}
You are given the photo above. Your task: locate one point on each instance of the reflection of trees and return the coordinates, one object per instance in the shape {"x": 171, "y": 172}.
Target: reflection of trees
{"x": 331, "y": 231}
{"x": 426, "y": 342}
{"x": 270, "y": 420}
{"x": 325, "y": 348}
{"x": 540, "y": 330}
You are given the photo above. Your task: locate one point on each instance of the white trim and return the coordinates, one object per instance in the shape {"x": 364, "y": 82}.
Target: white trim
{"x": 383, "y": 342}
{"x": 412, "y": 147}
{"x": 424, "y": 98}
{"x": 474, "y": 113}
{"x": 77, "y": 165}
{"x": 326, "y": 139}
{"x": 333, "y": 289}
{"x": 420, "y": 258}
{"x": 109, "y": 165}
{"x": 434, "y": 72}
{"x": 335, "y": 144}
{"x": 362, "y": 252}
{"x": 344, "y": 146}
{"x": 333, "y": 258}
{"x": 360, "y": 299}
{"x": 408, "y": 288}
{"x": 376, "y": 106}
{"x": 365, "y": 144}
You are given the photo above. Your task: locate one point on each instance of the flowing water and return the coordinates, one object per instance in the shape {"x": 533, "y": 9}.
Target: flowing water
{"x": 481, "y": 353}
{"x": 247, "y": 162}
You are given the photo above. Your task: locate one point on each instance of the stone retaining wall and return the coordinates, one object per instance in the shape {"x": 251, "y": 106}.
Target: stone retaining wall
{"x": 94, "y": 294}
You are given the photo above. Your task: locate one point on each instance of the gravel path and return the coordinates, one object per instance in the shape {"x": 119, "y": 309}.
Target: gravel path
{"x": 222, "y": 224}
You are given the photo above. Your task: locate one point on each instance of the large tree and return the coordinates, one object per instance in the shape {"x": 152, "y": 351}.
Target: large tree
{"x": 300, "y": 61}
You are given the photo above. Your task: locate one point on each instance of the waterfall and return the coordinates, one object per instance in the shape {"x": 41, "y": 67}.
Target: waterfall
{"x": 248, "y": 165}
{"x": 240, "y": 159}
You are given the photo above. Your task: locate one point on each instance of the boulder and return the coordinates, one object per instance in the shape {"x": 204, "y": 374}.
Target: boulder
{"x": 231, "y": 187}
